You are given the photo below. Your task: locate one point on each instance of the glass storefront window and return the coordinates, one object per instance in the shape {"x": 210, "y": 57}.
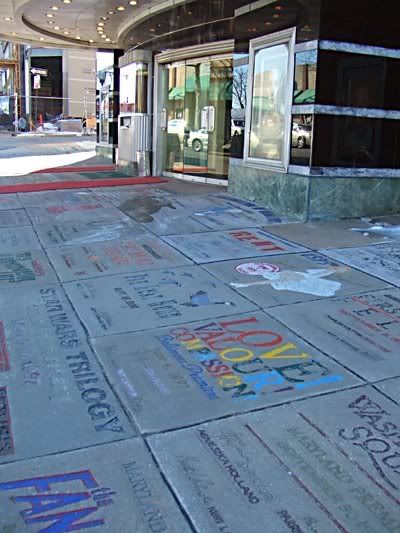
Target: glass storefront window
{"x": 269, "y": 103}
{"x": 133, "y": 89}
{"x": 305, "y": 74}
{"x": 301, "y": 139}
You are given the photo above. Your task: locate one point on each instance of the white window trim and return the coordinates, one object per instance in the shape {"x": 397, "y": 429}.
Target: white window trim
{"x": 283, "y": 37}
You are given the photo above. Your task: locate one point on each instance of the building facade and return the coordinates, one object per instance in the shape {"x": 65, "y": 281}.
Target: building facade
{"x": 291, "y": 103}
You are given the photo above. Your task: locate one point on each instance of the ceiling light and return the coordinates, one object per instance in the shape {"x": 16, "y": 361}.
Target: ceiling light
{"x": 50, "y": 22}
{"x": 55, "y": 8}
{"x": 67, "y": 1}
{"x": 100, "y": 24}
{"x": 108, "y": 40}
{"x": 120, "y": 8}
{"x": 104, "y": 36}
{"x": 66, "y": 33}
{"x": 57, "y": 28}
{"x": 7, "y": 18}
{"x": 110, "y": 12}
{"x": 278, "y": 8}
{"x": 50, "y": 15}
{"x": 41, "y": 39}
{"x": 91, "y": 41}
{"x": 276, "y": 16}
{"x": 133, "y": 3}
{"x": 13, "y": 33}
{"x": 104, "y": 18}
{"x": 77, "y": 37}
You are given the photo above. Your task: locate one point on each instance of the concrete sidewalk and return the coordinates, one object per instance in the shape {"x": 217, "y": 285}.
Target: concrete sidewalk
{"x": 174, "y": 358}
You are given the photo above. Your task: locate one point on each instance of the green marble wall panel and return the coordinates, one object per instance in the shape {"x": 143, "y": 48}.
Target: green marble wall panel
{"x": 285, "y": 194}
{"x": 353, "y": 197}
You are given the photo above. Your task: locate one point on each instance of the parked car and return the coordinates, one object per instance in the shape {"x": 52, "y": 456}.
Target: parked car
{"x": 301, "y": 135}
{"x": 198, "y": 140}
{"x": 177, "y": 126}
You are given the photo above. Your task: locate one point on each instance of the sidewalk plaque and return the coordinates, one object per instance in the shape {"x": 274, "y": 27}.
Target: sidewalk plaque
{"x": 56, "y": 395}
{"x": 75, "y": 233}
{"x": 145, "y": 300}
{"x": 115, "y": 487}
{"x": 222, "y": 245}
{"x": 380, "y": 260}
{"x": 25, "y": 268}
{"x": 292, "y": 278}
{"x": 114, "y": 257}
{"x": 361, "y": 331}
{"x": 219, "y": 367}
{"x": 273, "y": 467}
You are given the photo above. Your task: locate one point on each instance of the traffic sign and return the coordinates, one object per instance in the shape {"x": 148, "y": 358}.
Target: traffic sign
{"x": 39, "y": 71}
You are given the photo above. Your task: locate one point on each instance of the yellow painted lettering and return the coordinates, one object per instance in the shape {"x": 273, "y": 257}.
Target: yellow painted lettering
{"x": 276, "y": 354}
{"x": 239, "y": 358}
{"x": 223, "y": 381}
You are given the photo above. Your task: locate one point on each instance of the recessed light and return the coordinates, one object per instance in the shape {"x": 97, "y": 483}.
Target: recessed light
{"x": 41, "y": 39}
{"x": 13, "y": 33}
{"x": 104, "y": 18}
{"x": 120, "y": 8}
{"x": 50, "y": 15}
{"x": 278, "y": 8}
{"x": 108, "y": 40}
{"x": 91, "y": 41}
{"x": 77, "y": 37}
{"x": 268, "y": 23}
{"x": 50, "y": 22}
{"x": 7, "y": 18}
{"x": 133, "y": 3}
{"x": 103, "y": 36}
{"x": 110, "y": 12}
{"x": 66, "y": 33}
{"x": 152, "y": 30}
{"x": 55, "y": 8}
{"x": 67, "y": 1}
{"x": 100, "y": 24}
{"x": 276, "y": 16}
{"x": 57, "y": 28}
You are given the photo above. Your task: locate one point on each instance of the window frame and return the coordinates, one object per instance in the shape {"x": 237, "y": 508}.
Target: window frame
{"x": 288, "y": 37}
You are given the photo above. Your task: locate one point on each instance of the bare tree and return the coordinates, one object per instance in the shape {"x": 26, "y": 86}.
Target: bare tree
{"x": 240, "y": 86}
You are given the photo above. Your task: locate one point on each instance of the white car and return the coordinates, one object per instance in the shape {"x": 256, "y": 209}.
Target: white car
{"x": 198, "y": 140}
{"x": 177, "y": 126}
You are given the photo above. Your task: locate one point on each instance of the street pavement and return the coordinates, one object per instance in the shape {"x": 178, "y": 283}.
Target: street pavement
{"x": 173, "y": 358}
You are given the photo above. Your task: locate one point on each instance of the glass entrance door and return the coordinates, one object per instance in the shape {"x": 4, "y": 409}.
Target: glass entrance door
{"x": 194, "y": 118}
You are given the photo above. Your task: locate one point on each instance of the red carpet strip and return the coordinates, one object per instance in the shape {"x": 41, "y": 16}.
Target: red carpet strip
{"x": 52, "y": 186}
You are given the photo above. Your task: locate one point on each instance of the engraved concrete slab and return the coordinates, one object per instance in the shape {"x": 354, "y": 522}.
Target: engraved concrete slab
{"x": 365, "y": 426}
{"x": 73, "y": 232}
{"x": 229, "y": 212}
{"x": 25, "y": 268}
{"x": 9, "y": 201}
{"x": 74, "y": 212}
{"x": 114, "y": 257}
{"x": 274, "y": 453}
{"x": 391, "y": 388}
{"x": 54, "y": 395}
{"x": 226, "y": 480}
{"x": 380, "y": 260}
{"x": 14, "y": 217}
{"x": 219, "y": 367}
{"x": 166, "y": 214}
{"x": 292, "y": 278}
{"x": 223, "y": 245}
{"x": 70, "y": 196}
{"x": 18, "y": 239}
{"x": 128, "y": 195}
{"x": 361, "y": 332}
{"x": 114, "y": 487}
{"x": 330, "y": 234}
{"x": 134, "y": 302}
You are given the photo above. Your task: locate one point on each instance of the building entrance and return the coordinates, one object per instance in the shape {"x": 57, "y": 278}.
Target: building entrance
{"x": 194, "y": 127}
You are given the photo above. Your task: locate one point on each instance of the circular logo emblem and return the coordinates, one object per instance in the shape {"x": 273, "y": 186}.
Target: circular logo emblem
{"x": 257, "y": 269}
